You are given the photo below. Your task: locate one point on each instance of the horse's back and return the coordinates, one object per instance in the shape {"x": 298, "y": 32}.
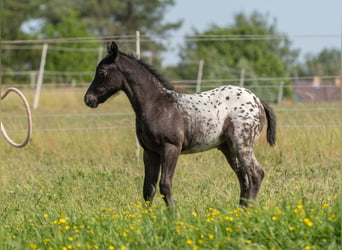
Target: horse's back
{"x": 208, "y": 113}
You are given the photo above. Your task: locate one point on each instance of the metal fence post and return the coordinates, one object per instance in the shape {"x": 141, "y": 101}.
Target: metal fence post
{"x": 40, "y": 76}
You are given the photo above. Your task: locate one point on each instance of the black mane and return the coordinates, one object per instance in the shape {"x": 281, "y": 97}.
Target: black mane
{"x": 154, "y": 72}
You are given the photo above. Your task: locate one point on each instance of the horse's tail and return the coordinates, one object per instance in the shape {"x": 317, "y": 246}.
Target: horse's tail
{"x": 271, "y": 124}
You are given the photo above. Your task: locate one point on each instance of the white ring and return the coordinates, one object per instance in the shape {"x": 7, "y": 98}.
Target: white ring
{"x": 29, "y": 119}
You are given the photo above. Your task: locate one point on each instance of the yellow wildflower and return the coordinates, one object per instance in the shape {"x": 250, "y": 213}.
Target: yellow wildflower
{"x": 278, "y": 212}
{"x": 228, "y": 218}
{"x": 32, "y": 246}
{"x": 332, "y": 217}
{"x": 325, "y": 205}
{"x": 62, "y": 220}
{"x": 308, "y": 222}
{"x": 189, "y": 242}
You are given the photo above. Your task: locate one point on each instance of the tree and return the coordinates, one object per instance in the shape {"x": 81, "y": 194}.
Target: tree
{"x": 75, "y": 18}
{"x": 251, "y": 44}
{"x": 14, "y": 15}
{"x": 115, "y": 18}
{"x": 69, "y": 57}
{"x": 327, "y": 62}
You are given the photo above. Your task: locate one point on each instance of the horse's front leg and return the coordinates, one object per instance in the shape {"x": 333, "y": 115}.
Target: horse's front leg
{"x": 169, "y": 161}
{"x": 152, "y": 168}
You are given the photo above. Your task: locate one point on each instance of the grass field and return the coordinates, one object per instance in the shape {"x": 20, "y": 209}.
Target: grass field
{"x": 78, "y": 185}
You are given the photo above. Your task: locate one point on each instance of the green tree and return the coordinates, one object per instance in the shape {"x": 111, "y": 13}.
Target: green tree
{"x": 14, "y": 15}
{"x": 250, "y": 44}
{"x": 78, "y": 18}
{"x": 116, "y": 18}
{"x": 69, "y": 57}
{"x": 327, "y": 62}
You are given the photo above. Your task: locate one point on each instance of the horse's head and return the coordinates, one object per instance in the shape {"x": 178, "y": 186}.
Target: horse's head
{"x": 107, "y": 81}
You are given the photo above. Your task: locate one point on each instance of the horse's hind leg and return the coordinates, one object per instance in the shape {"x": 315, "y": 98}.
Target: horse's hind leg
{"x": 152, "y": 163}
{"x": 252, "y": 172}
{"x": 247, "y": 169}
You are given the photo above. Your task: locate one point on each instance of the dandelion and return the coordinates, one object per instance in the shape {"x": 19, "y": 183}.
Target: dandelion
{"x": 189, "y": 242}
{"x": 325, "y": 205}
{"x": 229, "y": 229}
{"x": 62, "y": 220}
{"x": 46, "y": 215}
{"x": 308, "y": 247}
{"x": 70, "y": 238}
{"x": 228, "y": 218}
{"x": 200, "y": 241}
{"x": 111, "y": 248}
{"x": 292, "y": 228}
{"x": 211, "y": 236}
{"x": 194, "y": 214}
{"x": 274, "y": 218}
{"x": 335, "y": 197}
{"x": 332, "y": 217}
{"x": 278, "y": 212}
{"x": 32, "y": 246}
{"x": 308, "y": 222}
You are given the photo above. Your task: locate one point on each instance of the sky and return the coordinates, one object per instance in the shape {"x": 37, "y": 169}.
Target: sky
{"x": 321, "y": 18}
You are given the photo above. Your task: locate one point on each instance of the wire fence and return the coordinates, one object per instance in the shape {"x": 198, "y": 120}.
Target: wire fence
{"x": 268, "y": 88}
{"x": 123, "y": 116}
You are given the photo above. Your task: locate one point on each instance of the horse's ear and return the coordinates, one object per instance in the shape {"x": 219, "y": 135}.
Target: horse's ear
{"x": 112, "y": 49}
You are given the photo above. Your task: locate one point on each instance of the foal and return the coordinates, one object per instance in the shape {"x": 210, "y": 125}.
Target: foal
{"x": 169, "y": 123}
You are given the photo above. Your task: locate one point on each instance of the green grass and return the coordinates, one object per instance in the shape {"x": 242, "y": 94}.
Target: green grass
{"x": 73, "y": 188}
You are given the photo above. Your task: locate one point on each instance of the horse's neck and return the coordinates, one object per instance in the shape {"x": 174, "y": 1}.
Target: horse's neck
{"x": 142, "y": 88}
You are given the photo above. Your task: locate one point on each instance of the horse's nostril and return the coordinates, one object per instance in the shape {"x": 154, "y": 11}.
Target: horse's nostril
{"x": 90, "y": 101}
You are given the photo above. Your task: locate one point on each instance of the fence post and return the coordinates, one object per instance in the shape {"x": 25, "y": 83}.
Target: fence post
{"x": 242, "y": 77}
{"x": 137, "y": 49}
{"x": 40, "y": 76}
{"x": 33, "y": 75}
{"x": 100, "y": 54}
{"x": 199, "y": 76}
{"x": 73, "y": 82}
{"x": 280, "y": 93}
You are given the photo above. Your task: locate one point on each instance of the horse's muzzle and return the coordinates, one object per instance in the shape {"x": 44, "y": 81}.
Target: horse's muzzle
{"x": 90, "y": 100}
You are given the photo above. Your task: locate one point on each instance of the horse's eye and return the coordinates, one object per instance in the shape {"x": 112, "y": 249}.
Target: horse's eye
{"x": 103, "y": 73}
